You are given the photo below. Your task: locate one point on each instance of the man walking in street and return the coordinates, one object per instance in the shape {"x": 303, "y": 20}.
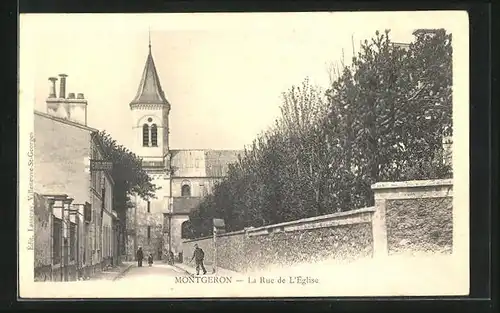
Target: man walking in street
{"x": 198, "y": 256}
{"x": 140, "y": 256}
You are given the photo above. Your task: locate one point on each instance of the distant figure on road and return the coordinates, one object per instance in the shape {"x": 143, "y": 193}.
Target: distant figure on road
{"x": 170, "y": 257}
{"x": 140, "y": 256}
{"x": 150, "y": 259}
{"x": 198, "y": 256}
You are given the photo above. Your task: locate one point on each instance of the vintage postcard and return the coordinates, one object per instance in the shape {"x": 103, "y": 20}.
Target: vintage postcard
{"x": 244, "y": 155}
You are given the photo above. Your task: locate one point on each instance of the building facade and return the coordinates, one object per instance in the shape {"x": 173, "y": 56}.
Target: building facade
{"x": 64, "y": 146}
{"x": 185, "y": 176}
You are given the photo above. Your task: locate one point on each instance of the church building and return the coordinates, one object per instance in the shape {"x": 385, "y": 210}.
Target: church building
{"x": 185, "y": 176}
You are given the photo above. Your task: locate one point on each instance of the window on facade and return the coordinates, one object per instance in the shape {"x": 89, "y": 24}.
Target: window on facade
{"x": 103, "y": 195}
{"x": 94, "y": 173}
{"x": 145, "y": 135}
{"x": 72, "y": 243}
{"x": 111, "y": 241}
{"x": 121, "y": 243}
{"x": 56, "y": 240}
{"x": 203, "y": 189}
{"x": 86, "y": 243}
{"x": 103, "y": 242}
{"x": 186, "y": 190}
{"x": 154, "y": 135}
{"x": 149, "y": 234}
{"x": 149, "y": 207}
{"x": 107, "y": 241}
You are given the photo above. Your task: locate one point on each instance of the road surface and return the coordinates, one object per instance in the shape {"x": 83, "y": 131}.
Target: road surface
{"x": 160, "y": 280}
{"x": 145, "y": 275}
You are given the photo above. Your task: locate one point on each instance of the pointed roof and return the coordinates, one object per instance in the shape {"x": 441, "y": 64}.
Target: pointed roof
{"x": 150, "y": 91}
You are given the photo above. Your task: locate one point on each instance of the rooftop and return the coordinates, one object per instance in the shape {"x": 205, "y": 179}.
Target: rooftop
{"x": 150, "y": 91}
{"x": 64, "y": 121}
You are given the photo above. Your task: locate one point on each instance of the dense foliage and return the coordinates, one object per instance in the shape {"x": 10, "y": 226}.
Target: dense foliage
{"x": 382, "y": 119}
{"x": 127, "y": 173}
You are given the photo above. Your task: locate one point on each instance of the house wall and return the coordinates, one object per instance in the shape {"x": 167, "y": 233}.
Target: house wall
{"x": 62, "y": 154}
{"x": 43, "y": 239}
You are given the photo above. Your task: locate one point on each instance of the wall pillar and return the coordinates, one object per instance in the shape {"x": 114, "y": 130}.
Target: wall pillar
{"x": 379, "y": 228}
{"x": 406, "y": 190}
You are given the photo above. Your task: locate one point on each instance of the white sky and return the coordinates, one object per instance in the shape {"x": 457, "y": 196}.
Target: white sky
{"x": 222, "y": 73}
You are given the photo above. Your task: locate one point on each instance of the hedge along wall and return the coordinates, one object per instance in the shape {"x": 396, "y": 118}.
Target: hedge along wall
{"x": 408, "y": 217}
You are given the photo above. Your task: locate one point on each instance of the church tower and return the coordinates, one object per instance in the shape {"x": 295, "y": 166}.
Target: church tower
{"x": 150, "y": 112}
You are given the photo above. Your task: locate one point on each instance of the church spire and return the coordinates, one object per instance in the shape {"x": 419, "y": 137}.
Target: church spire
{"x": 149, "y": 33}
{"x": 150, "y": 91}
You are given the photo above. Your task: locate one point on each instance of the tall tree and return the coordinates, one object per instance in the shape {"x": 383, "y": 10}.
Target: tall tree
{"x": 397, "y": 102}
{"x": 383, "y": 118}
{"x": 128, "y": 174}
{"x": 302, "y": 110}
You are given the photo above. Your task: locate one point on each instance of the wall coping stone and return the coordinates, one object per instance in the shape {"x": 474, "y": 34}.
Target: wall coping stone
{"x": 197, "y": 239}
{"x": 415, "y": 189}
{"x": 314, "y": 219}
{"x": 412, "y": 184}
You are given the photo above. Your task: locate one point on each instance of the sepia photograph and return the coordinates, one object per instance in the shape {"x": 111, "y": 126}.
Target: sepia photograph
{"x": 244, "y": 155}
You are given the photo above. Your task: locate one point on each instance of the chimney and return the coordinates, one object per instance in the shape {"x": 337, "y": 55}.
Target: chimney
{"x": 77, "y": 108}
{"x": 72, "y": 108}
{"x": 52, "y": 91}
{"x": 62, "y": 88}
{"x": 56, "y": 106}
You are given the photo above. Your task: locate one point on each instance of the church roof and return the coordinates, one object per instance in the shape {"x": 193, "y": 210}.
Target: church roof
{"x": 203, "y": 162}
{"x": 217, "y": 161}
{"x": 150, "y": 91}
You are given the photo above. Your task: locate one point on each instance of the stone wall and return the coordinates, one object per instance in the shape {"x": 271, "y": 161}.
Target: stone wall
{"x": 207, "y": 245}
{"x": 130, "y": 248}
{"x": 231, "y": 254}
{"x": 137, "y": 222}
{"x": 344, "y": 235}
{"x": 152, "y": 220}
{"x": 408, "y": 217}
{"x": 153, "y": 244}
{"x": 418, "y": 216}
{"x": 130, "y": 243}
{"x": 306, "y": 246}
{"x": 176, "y": 232}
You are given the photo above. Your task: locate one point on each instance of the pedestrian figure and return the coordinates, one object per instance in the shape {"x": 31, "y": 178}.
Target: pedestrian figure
{"x": 150, "y": 260}
{"x": 198, "y": 256}
{"x": 170, "y": 257}
{"x": 140, "y": 256}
